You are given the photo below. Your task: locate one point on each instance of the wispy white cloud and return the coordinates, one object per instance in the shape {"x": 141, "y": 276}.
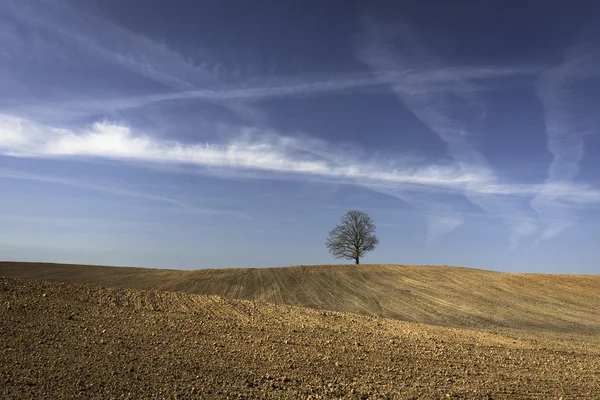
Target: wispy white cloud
{"x": 411, "y": 81}
{"x": 112, "y": 190}
{"x": 80, "y": 32}
{"x": 69, "y": 33}
{"x": 251, "y": 150}
{"x": 440, "y": 225}
{"x": 33, "y": 222}
{"x": 265, "y": 151}
{"x": 447, "y": 99}
{"x": 241, "y": 97}
{"x": 83, "y": 32}
{"x": 455, "y": 113}
{"x": 570, "y": 115}
{"x": 522, "y": 227}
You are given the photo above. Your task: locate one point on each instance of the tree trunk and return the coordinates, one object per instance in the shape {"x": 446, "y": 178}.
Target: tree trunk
{"x": 357, "y": 261}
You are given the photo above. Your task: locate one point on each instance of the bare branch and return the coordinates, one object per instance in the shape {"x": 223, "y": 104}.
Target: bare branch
{"x": 353, "y": 237}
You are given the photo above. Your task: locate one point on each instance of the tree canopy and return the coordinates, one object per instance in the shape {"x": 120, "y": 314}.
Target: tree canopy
{"x": 352, "y": 237}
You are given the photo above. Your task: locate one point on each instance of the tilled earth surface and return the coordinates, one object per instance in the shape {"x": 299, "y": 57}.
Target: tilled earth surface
{"x": 61, "y": 340}
{"x": 445, "y": 296}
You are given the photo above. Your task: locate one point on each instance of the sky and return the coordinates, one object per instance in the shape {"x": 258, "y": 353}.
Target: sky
{"x": 214, "y": 134}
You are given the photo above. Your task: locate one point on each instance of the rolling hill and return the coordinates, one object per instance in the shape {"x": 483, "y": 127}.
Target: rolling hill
{"x": 64, "y": 340}
{"x": 446, "y": 296}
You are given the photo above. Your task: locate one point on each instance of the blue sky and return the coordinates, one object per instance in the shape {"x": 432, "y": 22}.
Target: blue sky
{"x": 212, "y": 134}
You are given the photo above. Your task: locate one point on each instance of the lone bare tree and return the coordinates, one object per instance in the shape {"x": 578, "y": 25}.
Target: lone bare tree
{"x": 353, "y": 237}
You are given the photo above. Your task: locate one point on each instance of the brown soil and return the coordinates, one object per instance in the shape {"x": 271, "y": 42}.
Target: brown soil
{"x": 60, "y": 340}
{"x": 445, "y": 296}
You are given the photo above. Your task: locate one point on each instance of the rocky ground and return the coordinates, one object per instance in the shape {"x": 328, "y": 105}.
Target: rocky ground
{"x": 61, "y": 340}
